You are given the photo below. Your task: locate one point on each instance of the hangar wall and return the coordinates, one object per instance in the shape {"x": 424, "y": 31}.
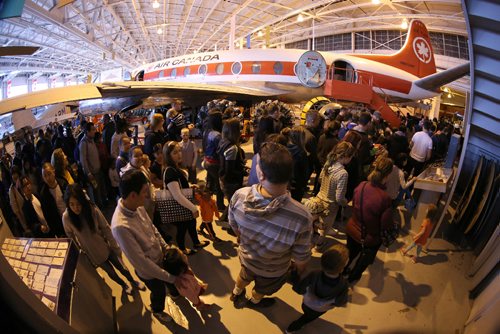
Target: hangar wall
{"x": 482, "y": 139}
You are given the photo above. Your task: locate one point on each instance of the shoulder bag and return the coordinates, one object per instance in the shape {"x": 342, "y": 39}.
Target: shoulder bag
{"x": 169, "y": 209}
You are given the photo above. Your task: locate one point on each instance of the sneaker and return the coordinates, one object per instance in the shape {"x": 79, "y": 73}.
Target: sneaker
{"x": 290, "y": 331}
{"x": 139, "y": 285}
{"x": 188, "y": 251}
{"x": 222, "y": 223}
{"x": 127, "y": 288}
{"x": 162, "y": 316}
{"x": 240, "y": 300}
{"x": 202, "y": 244}
{"x": 264, "y": 302}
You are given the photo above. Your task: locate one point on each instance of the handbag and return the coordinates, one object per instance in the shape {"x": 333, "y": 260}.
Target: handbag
{"x": 169, "y": 209}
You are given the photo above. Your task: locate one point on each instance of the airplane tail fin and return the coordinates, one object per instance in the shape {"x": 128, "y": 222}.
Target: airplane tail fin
{"x": 416, "y": 56}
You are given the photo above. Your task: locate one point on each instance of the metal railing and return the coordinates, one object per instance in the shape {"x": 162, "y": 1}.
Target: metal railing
{"x": 350, "y": 75}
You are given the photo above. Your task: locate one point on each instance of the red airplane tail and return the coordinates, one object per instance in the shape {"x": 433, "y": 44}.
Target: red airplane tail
{"x": 416, "y": 56}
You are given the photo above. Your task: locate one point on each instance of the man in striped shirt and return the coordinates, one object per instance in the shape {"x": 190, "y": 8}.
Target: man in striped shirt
{"x": 274, "y": 231}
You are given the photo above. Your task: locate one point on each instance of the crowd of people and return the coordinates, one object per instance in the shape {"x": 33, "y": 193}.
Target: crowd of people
{"x": 56, "y": 186}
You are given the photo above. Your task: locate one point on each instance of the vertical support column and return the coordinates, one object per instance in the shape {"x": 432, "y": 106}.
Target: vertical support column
{"x": 436, "y": 104}
{"x": 232, "y": 32}
{"x": 353, "y": 41}
{"x": 313, "y": 35}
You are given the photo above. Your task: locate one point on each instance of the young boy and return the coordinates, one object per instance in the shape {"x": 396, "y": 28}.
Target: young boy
{"x": 189, "y": 155}
{"x": 208, "y": 209}
{"x": 420, "y": 239}
{"x": 323, "y": 289}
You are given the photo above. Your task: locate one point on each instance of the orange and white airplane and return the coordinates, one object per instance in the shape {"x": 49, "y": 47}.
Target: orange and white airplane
{"x": 257, "y": 74}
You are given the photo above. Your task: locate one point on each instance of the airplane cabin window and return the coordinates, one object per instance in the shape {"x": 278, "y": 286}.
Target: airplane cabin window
{"x": 173, "y": 74}
{"x": 278, "y": 67}
{"x": 202, "y": 69}
{"x": 236, "y": 68}
{"x": 219, "y": 69}
{"x": 256, "y": 67}
{"x": 187, "y": 70}
{"x": 161, "y": 74}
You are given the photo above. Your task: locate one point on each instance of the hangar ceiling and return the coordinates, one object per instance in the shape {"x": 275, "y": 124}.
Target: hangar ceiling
{"x": 83, "y": 37}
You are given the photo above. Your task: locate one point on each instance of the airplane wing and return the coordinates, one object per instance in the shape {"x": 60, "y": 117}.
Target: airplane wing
{"x": 140, "y": 89}
{"x": 434, "y": 81}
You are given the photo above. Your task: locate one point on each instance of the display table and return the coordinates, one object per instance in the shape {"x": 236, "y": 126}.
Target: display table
{"x": 432, "y": 181}
{"x": 64, "y": 280}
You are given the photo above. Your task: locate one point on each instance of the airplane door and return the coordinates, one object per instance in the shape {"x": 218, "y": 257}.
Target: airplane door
{"x": 344, "y": 71}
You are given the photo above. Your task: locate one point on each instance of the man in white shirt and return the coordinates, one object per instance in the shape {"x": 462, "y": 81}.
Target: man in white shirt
{"x": 421, "y": 149}
{"x": 141, "y": 242}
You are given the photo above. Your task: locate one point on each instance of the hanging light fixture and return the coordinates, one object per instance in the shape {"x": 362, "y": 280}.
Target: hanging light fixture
{"x": 300, "y": 18}
{"x": 404, "y": 24}
{"x": 159, "y": 31}
{"x": 376, "y": 2}
{"x": 156, "y": 4}
{"x": 260, "y": 33}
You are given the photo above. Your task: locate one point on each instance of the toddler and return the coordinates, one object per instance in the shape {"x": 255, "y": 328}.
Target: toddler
{"x": 323, "y": 289}
{"x": 208, "y": 209}
{"x": 175, "y": 262}
{"x": 420, "y": 239}
{"x": 189, "y": 155}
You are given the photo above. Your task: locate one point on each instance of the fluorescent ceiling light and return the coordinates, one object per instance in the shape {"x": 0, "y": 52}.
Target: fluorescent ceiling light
{"x": 156, "y": 4}
{"x": 404, "y": 24}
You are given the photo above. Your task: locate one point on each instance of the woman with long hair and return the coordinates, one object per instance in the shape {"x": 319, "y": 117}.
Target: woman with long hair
{"x": 211, "y": 139}
{"x": 174, "y": 179}
{"x": 265, "y": 127}
{"x": 353, "y": 168}
{"x": 85, "y": 224}
{"x": 232, "y": 160}
{"x": 334, "y": 184}
{"x": 60, "y": 162}
{"x": 372, "y": 213}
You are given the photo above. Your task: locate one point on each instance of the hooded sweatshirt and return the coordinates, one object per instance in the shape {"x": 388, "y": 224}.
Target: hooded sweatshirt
{"x": 272, "y": 231}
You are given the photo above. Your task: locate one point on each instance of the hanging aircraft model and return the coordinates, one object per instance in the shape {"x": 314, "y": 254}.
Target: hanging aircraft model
{"x": 257, "y": 74}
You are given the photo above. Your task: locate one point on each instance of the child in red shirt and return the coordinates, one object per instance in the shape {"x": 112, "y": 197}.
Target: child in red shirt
{"x": 208, "y": 209}
{"x": 420, "y": 239}
{"x": 188, "y": 285}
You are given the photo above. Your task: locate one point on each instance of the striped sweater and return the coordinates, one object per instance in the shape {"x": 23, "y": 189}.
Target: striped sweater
{"x": 272, "y": 231}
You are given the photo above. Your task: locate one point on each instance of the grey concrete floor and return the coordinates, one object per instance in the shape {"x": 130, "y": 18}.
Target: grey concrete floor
{"x": 393, "y": 296}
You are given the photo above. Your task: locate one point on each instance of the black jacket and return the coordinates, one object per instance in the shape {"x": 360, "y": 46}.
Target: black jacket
{"x": 49, "y": 208}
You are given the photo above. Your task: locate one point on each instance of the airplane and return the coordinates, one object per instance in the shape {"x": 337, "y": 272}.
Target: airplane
{"x": 259, "y": 74}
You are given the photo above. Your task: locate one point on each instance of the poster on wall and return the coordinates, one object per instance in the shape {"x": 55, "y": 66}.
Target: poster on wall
{"x": 46, "y": 266}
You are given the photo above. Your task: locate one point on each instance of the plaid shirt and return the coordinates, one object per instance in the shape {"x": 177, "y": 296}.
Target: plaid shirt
{"x": 273, "y": 231}
{"x": 334, "y": 184}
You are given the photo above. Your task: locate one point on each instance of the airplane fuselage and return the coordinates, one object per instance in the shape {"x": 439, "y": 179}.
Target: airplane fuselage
{"x": 273, "y": 70}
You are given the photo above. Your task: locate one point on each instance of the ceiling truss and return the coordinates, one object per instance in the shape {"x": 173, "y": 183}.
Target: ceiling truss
{"x": 90, "y": 36}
